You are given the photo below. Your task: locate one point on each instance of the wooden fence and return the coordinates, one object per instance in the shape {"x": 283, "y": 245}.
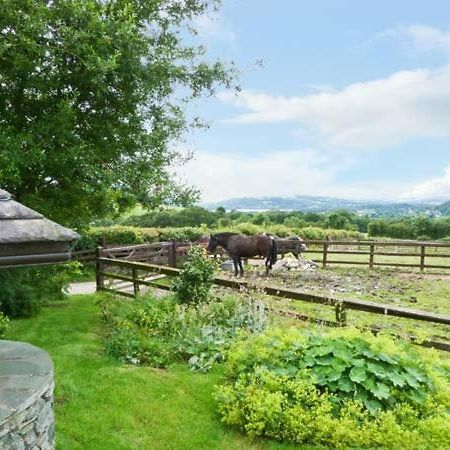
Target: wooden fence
{"x": 381, "y": 253}
{"x": 166, "y": 253}
{"x": 406, "y": 254}
{"x": 135, "y": 279}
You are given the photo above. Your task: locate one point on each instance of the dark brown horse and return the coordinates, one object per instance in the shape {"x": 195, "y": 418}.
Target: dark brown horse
{"x": 239, "y": 246}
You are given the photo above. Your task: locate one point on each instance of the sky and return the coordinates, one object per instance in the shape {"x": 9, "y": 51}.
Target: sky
{"x": 340, "y": 98}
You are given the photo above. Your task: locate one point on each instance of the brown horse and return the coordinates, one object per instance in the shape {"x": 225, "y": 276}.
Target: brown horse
{"x": 239, "y": 246}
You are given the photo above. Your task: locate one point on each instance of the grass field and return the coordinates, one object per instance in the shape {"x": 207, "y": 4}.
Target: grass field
{"x": 101, "y": 404}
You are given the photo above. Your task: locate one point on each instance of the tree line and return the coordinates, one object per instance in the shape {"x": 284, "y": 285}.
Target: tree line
{"x": 418, "y": 227}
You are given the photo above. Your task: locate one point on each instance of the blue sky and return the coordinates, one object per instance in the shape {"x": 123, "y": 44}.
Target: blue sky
{"x": 341, "y": 98}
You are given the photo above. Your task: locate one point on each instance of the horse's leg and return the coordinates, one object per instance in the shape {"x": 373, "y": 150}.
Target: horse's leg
{"x": 295, "y": 254}
{"x": 267, "y": 262}
{"x": 235, "y": 264}
{"x": 240, "y": 267}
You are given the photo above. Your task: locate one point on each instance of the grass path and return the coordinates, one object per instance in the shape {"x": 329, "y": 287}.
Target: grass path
{"x": 102, "y": 404}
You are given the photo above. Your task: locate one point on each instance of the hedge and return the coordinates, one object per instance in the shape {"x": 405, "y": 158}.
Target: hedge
{"x": 128, "y": 235}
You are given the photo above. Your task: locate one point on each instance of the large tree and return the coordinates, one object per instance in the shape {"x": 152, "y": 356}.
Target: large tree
{"x": 92, "y": 97}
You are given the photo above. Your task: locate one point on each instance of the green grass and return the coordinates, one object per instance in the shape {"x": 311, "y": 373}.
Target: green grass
{"x": 103, "y": 404}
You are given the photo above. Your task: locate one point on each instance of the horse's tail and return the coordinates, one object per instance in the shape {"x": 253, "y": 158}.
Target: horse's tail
{"x": 273, "y": 251}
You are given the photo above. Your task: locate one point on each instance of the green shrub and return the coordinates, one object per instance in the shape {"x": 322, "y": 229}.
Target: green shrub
{"x": 194, "y": 282}
{"x": 160, "y": 332}
{"x": 24, "y": 290}
{"x": 343, "y": 390}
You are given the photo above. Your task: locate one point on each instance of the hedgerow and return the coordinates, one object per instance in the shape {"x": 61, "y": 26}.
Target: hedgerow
{"x": 125, "y": 235}
{"x": 342, "y": 389}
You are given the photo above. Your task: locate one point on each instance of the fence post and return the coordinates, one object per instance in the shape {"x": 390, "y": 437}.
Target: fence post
{"x": 341, "y": 314}
{"x": 173, "y": 254}
{"x": 372, "y": 252}
{"x": 325, "y": 252}
{"x": 422, "y": 258}
{"x": 100, "y": 280}
{"x": 135, "y": 282}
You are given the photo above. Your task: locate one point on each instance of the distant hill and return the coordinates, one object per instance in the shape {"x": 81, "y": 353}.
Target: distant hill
{"x": 325, "y": 204}
{"x": 445, "y": 208}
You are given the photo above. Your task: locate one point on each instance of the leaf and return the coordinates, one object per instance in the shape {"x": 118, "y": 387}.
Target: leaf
{"x": 416, "y": 373}
{"x": 321, "y": 350}
{"x": 411, "y": 380}
{"x": 377, "y": 369}
{"x": 396, "y": 378}
{"x": 372, "y": 405}
{"x": 326, "y": 360}
{"x": 309, "y": 361}
{"x": 346, "y": 385}
{"x": 358, "y": 374}
{"x": 358, "y": 362}
{"x": 339, "y": 365}
{"x": 417, "y": 395}
{"x": 387, "y": 358}
{"x": 381, "y": 391}
{"x": 193, "y": 360}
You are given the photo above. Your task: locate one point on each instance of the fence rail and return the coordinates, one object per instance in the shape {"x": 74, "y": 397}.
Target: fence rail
{"x": 341, "y": 306}
{"x": 405, "y": 254}
{"x": 376, "y": 253}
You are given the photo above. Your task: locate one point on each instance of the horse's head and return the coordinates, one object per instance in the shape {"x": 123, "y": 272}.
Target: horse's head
{"x": 301, "y": 243}
{"x": 213, "y": 243}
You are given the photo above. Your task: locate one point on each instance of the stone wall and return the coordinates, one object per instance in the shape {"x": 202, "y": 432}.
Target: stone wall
{"x": 26, "y": 397}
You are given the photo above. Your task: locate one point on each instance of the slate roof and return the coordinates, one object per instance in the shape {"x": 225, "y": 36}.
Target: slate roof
{"x": 19, "y": 224}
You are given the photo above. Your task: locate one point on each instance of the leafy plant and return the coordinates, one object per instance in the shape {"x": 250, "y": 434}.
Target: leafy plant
{"x": 333, "y": 389}
{"x": 194, "y": 282}
{"x": 24, "y": 290}
{"x": 159, "y": 332}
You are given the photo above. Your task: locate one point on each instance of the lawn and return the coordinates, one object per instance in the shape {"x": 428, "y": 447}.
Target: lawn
{"x": 103, "y": 404}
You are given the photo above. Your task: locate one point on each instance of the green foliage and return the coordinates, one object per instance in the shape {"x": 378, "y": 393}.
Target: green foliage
{"x": 94, "y": 236}
{"x": 102, "y": 405}
{"x": 120, "y": 234}
{"x": 4, "y": 323}
{"x": 25, "y": 290}
{"x": 343, "y": 389}
{"x": 190, "y": 217}
{"x": 93, "y": 97}
{"x": 411, "y": 228}
{"x": 160, "y": 332}
{"x": 194, "y": 282}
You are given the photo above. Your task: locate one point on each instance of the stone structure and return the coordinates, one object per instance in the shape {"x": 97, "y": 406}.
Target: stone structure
{"x": 26, "y": 397}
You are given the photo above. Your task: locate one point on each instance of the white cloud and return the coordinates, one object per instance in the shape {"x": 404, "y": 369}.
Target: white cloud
{"x": 221, "y": 176}
{"x": 373, "y": 114}
{"x": 211, "y": 26}
{"x": 422, "y": 37}
{"x": 286, "y": 173}
{"x": 437, "y": 188}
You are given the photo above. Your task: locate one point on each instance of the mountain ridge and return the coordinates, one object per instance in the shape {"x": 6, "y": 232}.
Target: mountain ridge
{"x": 308, "y": 203}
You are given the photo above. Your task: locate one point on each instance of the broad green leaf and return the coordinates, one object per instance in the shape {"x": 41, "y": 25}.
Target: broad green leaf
{"x": 326, "y": 360}
{"x": 377, "y": 369}
{"x": 373, "y": 405}
{"x": 381, "y": 391}
{"x": 358, "y": 374}
{"x": 396, "y": 378}
{"x": 338, "y": 365}
{"x": 387, "y": 358}
{"x": 417, "y": 395}
{"x": 345, "y": 384}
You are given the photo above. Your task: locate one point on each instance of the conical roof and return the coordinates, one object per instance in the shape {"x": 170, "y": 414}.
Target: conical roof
{"x": 19, "y": 224}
